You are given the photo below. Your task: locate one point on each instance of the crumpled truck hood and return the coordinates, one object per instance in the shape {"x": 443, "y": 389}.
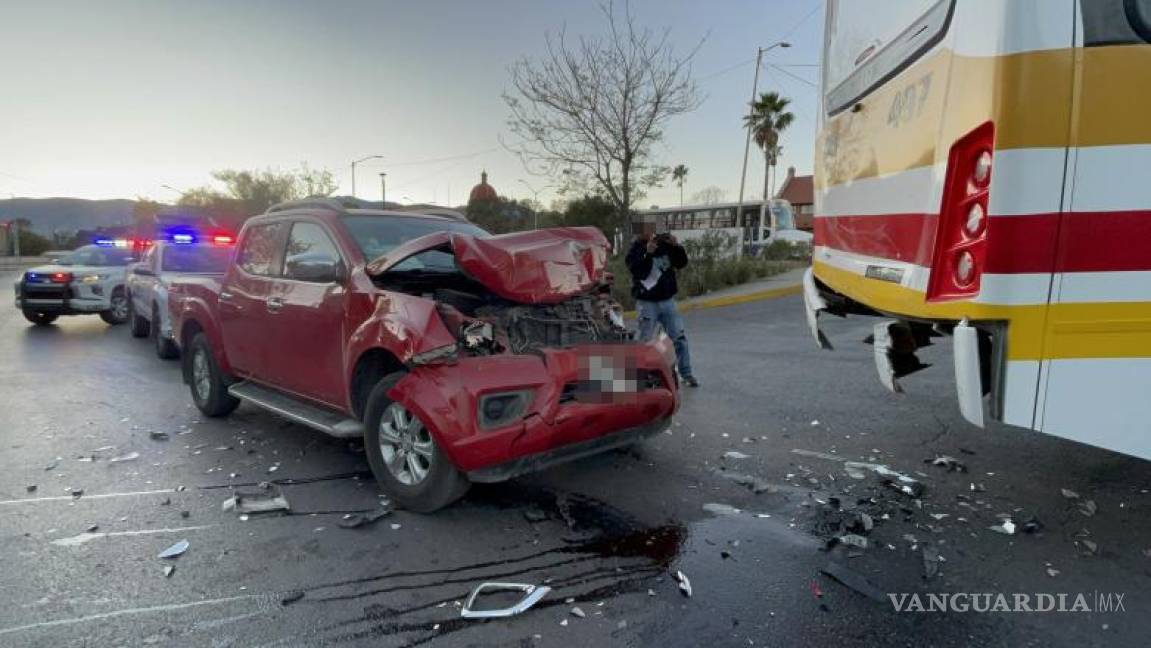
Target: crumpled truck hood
{"x": 534, "y": 267}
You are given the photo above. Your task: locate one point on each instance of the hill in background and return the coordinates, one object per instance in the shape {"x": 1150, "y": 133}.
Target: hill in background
{"x": 47, "y": 215}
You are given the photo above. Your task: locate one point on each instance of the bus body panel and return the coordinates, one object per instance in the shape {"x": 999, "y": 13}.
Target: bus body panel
{"x": 1066, "y": 280}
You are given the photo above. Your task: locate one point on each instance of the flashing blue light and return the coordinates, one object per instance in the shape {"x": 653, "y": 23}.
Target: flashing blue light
{"x": 183, "y": 238}
{"x": 104, "y": 242}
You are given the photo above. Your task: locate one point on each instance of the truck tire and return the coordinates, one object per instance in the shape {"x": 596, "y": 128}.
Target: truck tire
{"x": 209, "y": 391}
{"x": 40, "y": 319}
{"x": 119, "y": 312}
{"x": 165, "y": 348}
{"x": 404, "y": 456}
{"x": 140, "y": 326}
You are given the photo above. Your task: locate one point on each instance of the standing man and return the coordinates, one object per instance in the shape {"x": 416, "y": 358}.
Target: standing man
{"x": 652, "y": 261}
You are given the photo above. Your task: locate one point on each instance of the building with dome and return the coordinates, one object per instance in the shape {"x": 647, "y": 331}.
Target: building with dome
{"x": 483, "y": 191}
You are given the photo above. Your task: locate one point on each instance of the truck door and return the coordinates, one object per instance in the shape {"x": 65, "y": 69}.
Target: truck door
{"x": 305, "y": 317}
{"x": 1097, "y": 364}
{"x": 243, "y": 299}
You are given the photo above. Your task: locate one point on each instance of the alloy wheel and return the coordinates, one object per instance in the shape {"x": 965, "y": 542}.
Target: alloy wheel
{"x": 406, "y": 445}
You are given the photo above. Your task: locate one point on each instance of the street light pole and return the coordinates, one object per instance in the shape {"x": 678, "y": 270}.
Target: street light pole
{"x": 354, "y": 163}
{"x": 747, "y": 143}
{"x": 383, "y": 190}
{"x": 536, "y": 200}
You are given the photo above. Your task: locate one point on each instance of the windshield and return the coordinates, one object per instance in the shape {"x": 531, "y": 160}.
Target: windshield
{"x": 96, "y": 255}
{"x": 204, "y": 259}
{"x": 377, "y": 235}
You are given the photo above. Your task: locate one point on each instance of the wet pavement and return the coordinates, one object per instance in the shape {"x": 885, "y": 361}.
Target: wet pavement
{"x": 750, "y": 530}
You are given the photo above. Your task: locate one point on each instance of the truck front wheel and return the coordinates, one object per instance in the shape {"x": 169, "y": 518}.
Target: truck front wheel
{"x": 40, "y": 319}
{"x": 404, "y": 456}
{"x": 209, "y": 391}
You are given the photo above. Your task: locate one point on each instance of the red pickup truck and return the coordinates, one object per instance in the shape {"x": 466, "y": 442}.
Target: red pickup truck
{"x": 456, "y": 356}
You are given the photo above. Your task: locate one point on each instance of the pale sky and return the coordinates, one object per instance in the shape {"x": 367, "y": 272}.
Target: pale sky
{"x": 113, "y": 99}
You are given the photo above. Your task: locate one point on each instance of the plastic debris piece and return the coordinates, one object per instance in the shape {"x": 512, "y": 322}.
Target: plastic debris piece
{"x": 76, "y": 492}
{"x": 175, "y": 550}
{"x": 684, "y": 583}
{"x": 849, "y": 578}
{"x": 853, "y": 540}
{"x": 1006, "y": 528}
{"x": 753, "y": 483}
{"x": 532, "y": 594}
{"x": 131, "y": 456}
{"x": 31, "y": 488}
{"x": 950, "y": 463}
{"x": 185, "y": 514}
{"x": 52, "y": 465}
{"x": 578, "y": 613}
{"x": 1088, "y": 508}
{"x": 1052, "y": 572}
{"x": 358, "y": 520}
{"x": 564, "y": 622}
{"x": 1089, "y": 548}
{"x": 716, "y": 508}
{"x": 291, "y": 597}
{"x": 395, "y": 526}
{"x": 1068, "y": 493}
{"x": 733, "y": 454}
{"x": 1032, "y": 525}
{"x": 92, "y": 528}
{"x": 156, "y": 435}
{"x": 168, "y": 570}
{"x": 535, "y": 515}
{"x": 256, "y": 502}
{"x": 930, "y": 562}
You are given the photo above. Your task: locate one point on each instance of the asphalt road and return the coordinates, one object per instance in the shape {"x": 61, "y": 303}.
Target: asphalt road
{"x": 607, "y": 533}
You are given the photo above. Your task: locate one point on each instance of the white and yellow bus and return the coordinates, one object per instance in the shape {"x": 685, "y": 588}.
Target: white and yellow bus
{"x": 983, "y": 169}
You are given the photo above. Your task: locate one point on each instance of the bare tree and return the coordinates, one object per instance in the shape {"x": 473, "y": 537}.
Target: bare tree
{"x": 708, "y": 196}
{"x": 590, "y": 109}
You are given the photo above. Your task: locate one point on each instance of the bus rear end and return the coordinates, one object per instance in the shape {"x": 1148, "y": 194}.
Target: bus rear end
{"x": 976, "y": 176}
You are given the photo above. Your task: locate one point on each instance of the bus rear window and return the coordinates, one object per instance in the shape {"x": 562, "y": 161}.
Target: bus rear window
{"x": 864, "y": 46}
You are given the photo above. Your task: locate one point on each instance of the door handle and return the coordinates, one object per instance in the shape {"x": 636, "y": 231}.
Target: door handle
{"x": 275, "y": 304}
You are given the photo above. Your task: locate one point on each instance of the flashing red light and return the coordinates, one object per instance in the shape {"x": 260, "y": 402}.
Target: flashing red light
{"x": 61, "y": 277}
{"x": 223, "y": 239}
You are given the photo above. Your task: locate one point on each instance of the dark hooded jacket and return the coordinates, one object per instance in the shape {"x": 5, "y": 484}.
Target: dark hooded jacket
{"x": 639, "y": 263}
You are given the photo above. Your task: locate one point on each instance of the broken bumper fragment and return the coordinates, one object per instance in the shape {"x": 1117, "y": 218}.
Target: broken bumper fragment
{"x": 500, "y": 416}
{"x": 814, "y": 304}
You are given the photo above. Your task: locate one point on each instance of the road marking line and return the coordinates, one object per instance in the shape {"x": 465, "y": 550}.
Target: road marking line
{"x": 116, "y": 613}
{"x": 79, "y": 539}
{"x": 69, "y": 498}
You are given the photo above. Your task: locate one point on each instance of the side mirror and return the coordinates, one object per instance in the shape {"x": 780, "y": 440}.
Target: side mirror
{"x": 143, "y": 271}
{"x": 315, "y": 269}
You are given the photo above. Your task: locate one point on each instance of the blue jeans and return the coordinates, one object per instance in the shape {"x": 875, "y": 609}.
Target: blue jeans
{"x": 665, "y": 314}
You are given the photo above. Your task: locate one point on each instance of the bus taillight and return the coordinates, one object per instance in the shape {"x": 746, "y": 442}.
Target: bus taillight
{"x": 961, "y": 237}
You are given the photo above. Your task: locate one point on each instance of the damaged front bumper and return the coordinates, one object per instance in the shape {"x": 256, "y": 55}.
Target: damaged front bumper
{"x": 814, "y": 304}
{"x": 500, "y": 416}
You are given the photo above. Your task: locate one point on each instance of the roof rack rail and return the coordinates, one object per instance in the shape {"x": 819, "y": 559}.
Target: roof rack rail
{"x": 314, "y": 203}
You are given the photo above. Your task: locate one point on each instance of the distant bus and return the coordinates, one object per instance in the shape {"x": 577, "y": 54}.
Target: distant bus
{"x": 693, "y": 221}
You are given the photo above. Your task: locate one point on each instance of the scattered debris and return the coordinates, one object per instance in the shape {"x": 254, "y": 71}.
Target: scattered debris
{"x": 931, "y": 560}
{"x": 721, "y": 509}
{"x": 852, "y": 540}
{"x": 535, "y": 515}
{"x": 753, "y": 483}
{"x": 815, "y": 423}
{"x": 131, "y": 456}
{"x": 168, "y": 570}
{"x": 175, "y": 550}
{"x": 684, "y": 583}
{"x": 1087, "y": 547}
{"x": 849, "y": 578}
{"x": 1052, "y": 572}
{"x": 1088, "y": 508}
{"x": 1069, "y": 494}
{"x": 357, "y": 520}
{"x": 977, "y": 488}
{"x": 291, "y": 597}
{"x": 92, "y": 529}
{"x": 1032, "y": 525}
{"x": 532, "y": 595}
{"x": 31, "y": 488}
{"x": 256, "y": 502}
{"x": 156, "y": 435}
{"x": 1006, "y": 528}
{"x": 52, "y": 464}
{"x": 185, "y": 514}
{"x": 1147, "y": 552}
{"x": 578, "y": 612}
{"x": 76, "y": 492}
{"x": 733, "y": 454}
{"x": 950, "y": 463}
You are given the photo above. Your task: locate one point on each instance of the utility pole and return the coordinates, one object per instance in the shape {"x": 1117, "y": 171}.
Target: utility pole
{"x": 747, "y": 143}
{"x": 354, "y": 163}
{"x": 383, "y": 190}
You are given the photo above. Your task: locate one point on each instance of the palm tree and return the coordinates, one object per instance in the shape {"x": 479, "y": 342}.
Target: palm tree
{"x": 768, "y": 119}
{"x": 679, "y": 174}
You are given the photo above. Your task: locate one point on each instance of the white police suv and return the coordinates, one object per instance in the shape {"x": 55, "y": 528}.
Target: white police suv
{"x": 88, "y": 281}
